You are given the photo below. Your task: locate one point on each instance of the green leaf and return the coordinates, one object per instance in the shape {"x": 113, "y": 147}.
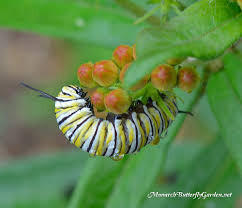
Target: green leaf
{"x": 96, "y": 183}
{"x": 204, "y": 30}
{"x": 40, "y": 181}
{"x": 230, "y": 183}
{"x": 232, "y": 65}
{"x": 154, "y": 2}
{"x": 187, "y": 150}
{"x": 76, "y": 21}
{"x": 227, "y": 109}
{"x": 202, "y": 176}
{"x": 141, "y": 170}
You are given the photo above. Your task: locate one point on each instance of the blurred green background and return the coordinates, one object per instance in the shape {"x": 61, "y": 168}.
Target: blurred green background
{"x": 43, "y": 43}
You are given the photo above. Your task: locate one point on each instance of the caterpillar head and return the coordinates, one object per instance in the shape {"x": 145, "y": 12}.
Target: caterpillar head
{"x": 80, "y": 92}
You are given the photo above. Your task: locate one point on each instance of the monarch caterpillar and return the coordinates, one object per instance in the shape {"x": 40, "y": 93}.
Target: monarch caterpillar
{"x": 116, "y": 135}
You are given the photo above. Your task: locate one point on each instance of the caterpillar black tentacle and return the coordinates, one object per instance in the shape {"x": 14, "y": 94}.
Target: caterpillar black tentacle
{"x": 116, "y": 135}
{"x": 186, "y": 112}
{"x": 42, "y": 94}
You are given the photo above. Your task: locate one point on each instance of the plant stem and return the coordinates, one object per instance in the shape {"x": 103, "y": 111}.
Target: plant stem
{"x": 148, "y": 14}
{"x": 179, "y": 6}
{"x": 204, "y": 80}
{"x": 137, "y": 11}
{"x": 198, "y": 94}
{"x": 140, "y": 93}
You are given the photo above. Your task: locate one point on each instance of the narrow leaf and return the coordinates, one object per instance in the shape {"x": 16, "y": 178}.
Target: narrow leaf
{"x": 76, "y": 21}
{"x": 40, "y": 181}
{"x": 96, "y": 183}
{"x": 233, "y": 67}
{"x": 227, "y": 109}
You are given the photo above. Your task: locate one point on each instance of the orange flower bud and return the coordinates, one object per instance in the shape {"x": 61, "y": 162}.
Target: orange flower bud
{"x": 117, "y": 101}
{"x": 105, "y": 73}
{"x": 84, "y": 74}
{"x": 122, "y": 55}
{"x": 137, "y": 86}
{"x": 97, "y": 99}
{"x": 163, "y": 77}
{"x": 188, "y": 79}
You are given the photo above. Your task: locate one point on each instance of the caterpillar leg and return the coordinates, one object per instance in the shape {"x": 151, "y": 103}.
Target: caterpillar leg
{"x": 155, "y": 141}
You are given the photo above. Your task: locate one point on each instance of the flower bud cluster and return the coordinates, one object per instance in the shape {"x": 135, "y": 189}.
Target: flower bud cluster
{"x": 165, "y": 78}
{"x": 106, "y": 77}
{"x": 105, "y": 74}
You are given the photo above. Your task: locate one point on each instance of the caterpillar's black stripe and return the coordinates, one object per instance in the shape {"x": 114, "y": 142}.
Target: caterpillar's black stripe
{"x": 162, "y": 119}
{"x": 115, "y": 140}
{"x": 66, "y": 117}
{"x": 136, "y": 135}
{"x": 152, "y": 127}
{"x": 64, "y": 93}
{"x": 93, "y": 137}
{"x": 78, "y": 126}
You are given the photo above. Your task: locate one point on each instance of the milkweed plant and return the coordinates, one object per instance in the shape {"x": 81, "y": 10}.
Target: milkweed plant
{"x": 167, "y": 56}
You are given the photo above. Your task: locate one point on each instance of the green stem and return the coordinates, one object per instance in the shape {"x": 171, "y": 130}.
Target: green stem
{"x": 115, "y": 86}
{"x": 198, "y": 94}
{"x": 177, "y": 10}
{"x": 140, "y": 93}
{"x": 179, "y": 6}
{"x": 204, "y": 81}
{"x": 137, "y": 11}
{"x": 148, "y": 14}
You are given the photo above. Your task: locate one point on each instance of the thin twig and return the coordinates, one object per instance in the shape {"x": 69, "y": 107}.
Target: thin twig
{"x": 202, "y": 90}
{"x": 148, "y": 14}
{"x": 137, "y": 11}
